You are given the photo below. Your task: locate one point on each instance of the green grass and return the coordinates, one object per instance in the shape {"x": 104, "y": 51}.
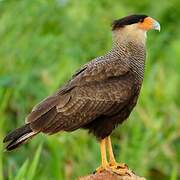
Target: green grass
{"x": 43, "y": 42}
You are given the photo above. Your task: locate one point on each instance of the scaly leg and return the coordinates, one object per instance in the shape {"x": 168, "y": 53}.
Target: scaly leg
{"x": 104, "y": 163}
{"x": 112, "y": 160}
{"x": 119, "y": 168}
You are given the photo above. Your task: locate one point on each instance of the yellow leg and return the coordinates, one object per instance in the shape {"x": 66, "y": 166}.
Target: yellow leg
{"x": 112, "y": 161}
{"x": 113, "y": 166}
{"x": 103, "y": 152}
{"x": 104, "y": 163}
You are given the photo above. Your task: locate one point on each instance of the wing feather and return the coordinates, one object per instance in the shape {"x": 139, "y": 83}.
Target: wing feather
{"x": 99, "y": 88}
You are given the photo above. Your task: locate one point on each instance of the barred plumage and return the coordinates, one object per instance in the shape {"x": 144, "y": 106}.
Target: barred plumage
{"x": 99, "y": 96}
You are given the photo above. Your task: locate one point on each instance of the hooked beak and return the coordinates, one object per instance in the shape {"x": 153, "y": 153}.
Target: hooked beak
{"x": 156, "y": 26}
{"x": 149, "y": 23}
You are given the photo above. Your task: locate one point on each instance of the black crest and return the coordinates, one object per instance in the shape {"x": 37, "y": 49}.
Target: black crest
{"x": 127, "y": 21}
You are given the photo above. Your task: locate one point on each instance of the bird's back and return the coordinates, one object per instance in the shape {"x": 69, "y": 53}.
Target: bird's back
{"x": 102, "y": 93}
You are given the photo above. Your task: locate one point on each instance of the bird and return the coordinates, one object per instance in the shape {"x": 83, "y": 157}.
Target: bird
{"x": 99, "y": 96}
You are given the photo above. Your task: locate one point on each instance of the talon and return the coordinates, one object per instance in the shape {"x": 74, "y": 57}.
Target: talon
{"x": 101, "y": 169}
{"x": 119, "y": 172}
{"x": 128, "y": 174}
{"x": 110, "y": 164}
{"x": 119, "y": 165}
{"x": 118, "y": 168}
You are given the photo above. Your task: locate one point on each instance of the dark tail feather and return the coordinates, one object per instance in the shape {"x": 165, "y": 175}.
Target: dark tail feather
{"x": 18, "y": 136}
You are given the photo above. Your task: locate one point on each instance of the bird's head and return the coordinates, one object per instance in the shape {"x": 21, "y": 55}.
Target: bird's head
{"x": 134, "y": 27}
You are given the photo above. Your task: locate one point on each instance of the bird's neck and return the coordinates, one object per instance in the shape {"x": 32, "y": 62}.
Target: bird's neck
{"x": 129, "y": 33}
{"x": 132, "y": 52}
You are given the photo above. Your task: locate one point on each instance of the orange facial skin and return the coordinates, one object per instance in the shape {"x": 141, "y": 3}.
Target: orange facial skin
{"x": 147, "y": 24}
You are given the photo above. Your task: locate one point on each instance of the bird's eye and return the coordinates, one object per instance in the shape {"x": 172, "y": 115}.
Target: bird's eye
{"x": 141, "y": 20}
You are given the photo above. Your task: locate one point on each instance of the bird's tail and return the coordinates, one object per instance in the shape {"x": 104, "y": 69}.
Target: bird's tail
{"x": 18, "y": 137}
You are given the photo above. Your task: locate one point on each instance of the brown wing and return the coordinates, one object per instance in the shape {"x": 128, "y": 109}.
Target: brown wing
{"x": 91, "y": 93}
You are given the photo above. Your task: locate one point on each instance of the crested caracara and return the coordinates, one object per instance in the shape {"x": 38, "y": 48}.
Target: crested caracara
{"x": 99, "y": 96}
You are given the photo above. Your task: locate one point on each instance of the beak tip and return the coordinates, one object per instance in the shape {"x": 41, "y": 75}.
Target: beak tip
{"x": 159, "y": 29}
{"x": 156, "y": 26}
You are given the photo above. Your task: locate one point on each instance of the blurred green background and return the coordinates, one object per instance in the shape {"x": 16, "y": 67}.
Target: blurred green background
{"x": 42, "y": 42}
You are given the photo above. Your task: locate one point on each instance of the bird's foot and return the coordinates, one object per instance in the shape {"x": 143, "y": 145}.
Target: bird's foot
{"x": 101, "y": 169}
{"x": 119, "y": 168}
{"x": 118, "y": 165}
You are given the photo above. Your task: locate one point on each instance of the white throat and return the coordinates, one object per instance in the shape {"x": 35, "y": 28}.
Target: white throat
{"x": 130, "y": 33}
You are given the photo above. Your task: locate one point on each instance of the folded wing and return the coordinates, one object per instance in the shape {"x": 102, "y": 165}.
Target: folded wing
{"x": 93, "y": 91}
